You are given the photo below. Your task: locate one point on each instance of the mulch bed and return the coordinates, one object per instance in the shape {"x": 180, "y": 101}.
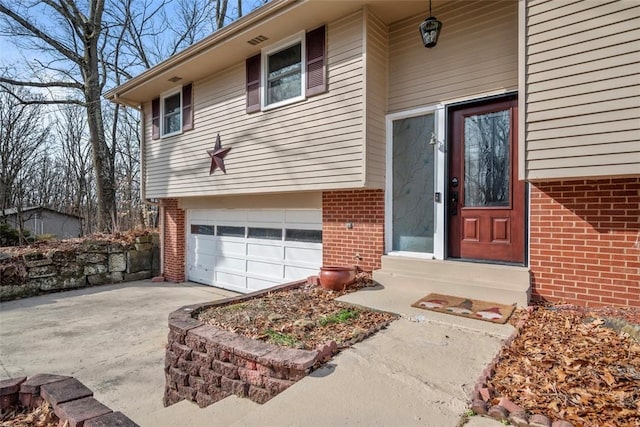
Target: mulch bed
{"x": 570, "y": 363}
{"x": 306, "y": 317}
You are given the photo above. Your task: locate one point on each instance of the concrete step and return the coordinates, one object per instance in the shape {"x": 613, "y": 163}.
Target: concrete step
{"x": 488, "y": 282}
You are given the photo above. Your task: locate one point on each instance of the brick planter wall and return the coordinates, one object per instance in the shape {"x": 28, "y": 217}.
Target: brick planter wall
{"x": 173, "y": 240}
{"x": 364, "y": 210}
{"x": 585, "y": 245}
{"x": 205, "y": 364}
{"x": 72, "y": 401}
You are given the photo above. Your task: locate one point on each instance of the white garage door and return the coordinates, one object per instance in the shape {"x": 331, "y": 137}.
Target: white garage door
{"x": 245, "y": 250}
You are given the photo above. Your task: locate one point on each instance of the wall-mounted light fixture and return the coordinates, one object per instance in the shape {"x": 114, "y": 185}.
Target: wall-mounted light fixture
{"x": 430, "y": 30}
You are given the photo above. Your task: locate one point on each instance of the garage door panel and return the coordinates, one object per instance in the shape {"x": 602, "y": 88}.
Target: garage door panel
{"x": 265, "y": 268}
{"x": 230, "y": 263}
{"x": 262, "y": 250}
{"x": 232, "y": 247}
{"x": 204, "y": 261}
{"x": 203, "y": 246}
{"x": 306, "y": 255}
{"x": 230, "y": 279}
{"x": 246, "y": 250}
{"x": 202, "y": 275}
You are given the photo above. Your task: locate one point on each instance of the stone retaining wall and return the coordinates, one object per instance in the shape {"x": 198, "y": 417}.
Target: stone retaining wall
{"x": 92, "y": 262}
{"x": 205, "y": 364}
{"x": 72, "y": 401}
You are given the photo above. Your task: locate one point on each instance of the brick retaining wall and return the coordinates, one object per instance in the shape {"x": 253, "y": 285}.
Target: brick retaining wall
{"x": 205, "y": 364}
{"x": 72, "y": 401}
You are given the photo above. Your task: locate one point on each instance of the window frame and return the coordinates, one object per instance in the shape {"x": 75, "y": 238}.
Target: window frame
{"x": 268, "y": 51}
{"x": 175, "y": 91}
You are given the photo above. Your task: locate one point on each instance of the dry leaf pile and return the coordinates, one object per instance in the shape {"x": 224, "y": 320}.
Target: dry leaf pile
{"x": 566, "y": 365}
{"x": 306, "y": 317}
{"x": 19, "y": 416}
{"x": 124, "y": 238}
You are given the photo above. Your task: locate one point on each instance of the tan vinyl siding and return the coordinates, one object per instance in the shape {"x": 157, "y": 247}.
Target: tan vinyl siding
{"x": 296, "y": 200}
{"x": 582, "y": 86}
{"x": 376, "y": 51}
{"x": 311, "y": 145}
{"x": 476, "y": 54}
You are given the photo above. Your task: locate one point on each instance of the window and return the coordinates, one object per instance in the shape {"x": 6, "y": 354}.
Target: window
{"x": 207, "y": 230}
{"x": 265, "y": 233}
{"x": 172, "y": 113}
{"x": 230, "y": 230}
{"x": 284, "y": 75}
{"x": 311, "y": 236}
{"x": 291, "y": 71}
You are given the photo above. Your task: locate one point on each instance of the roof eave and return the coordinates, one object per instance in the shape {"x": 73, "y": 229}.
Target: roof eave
{"x": 116, "y": 94}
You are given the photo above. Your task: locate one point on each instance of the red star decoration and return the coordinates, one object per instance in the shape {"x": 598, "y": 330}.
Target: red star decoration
{"x": 217, "y": 156}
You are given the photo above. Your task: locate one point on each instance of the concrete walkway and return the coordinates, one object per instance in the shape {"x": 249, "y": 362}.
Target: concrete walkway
{"x": 420, "y": 371}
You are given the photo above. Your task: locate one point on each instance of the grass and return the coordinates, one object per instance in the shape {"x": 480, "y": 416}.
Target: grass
{"x": 342, "y": 316}
{"x": 281, "y": 339}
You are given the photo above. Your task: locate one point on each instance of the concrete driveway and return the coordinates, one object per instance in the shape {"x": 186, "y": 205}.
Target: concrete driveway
{"x": 420, "y": 371}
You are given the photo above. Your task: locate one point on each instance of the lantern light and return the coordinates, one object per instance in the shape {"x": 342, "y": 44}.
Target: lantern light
{"x": 430, "y": 30}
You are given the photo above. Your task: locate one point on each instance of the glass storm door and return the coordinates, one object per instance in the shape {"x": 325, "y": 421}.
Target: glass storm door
{"x": 413, "y": 185}
{"x": 486, "y": 202}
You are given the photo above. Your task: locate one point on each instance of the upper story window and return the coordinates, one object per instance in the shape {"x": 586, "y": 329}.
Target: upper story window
{"x": 284, "y": 75}
{"x": 172, "y": 113}
{"x": 291, "y": 71}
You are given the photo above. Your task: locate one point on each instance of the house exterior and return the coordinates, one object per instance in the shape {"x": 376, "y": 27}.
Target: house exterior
{"x": 40, "y": 220}
{"x": 511, "y": 146}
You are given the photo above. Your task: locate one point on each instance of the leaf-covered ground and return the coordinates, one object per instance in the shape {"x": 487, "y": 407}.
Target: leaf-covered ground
{"x": 566, "y": 364}
{"x": 18, "y": 416}
{"x": 305, "y": 318}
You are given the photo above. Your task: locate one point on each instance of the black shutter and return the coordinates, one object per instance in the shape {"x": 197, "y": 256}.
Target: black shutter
{"x": 316, "y": 65}
{"x": 253, "y": 84}
{"x": 155, "y": 118}
{"x": 187, "y": 107}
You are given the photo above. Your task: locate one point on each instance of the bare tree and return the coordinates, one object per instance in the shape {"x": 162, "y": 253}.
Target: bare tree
{"x": 22, "y": 137}
{"x": 74, "y": 43}
{"x": 76, "y": 49}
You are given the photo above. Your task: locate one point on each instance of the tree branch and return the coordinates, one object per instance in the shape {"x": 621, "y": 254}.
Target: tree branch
{"x": 73, "y": 56}
{"x": 41, "y": 84}
{"x": 23, "y": 101}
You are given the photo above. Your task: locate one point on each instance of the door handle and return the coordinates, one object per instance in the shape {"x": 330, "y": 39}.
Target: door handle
{"x": 453, "y": 205}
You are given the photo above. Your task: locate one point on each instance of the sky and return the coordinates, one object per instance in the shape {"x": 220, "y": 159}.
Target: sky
{"x": 12, "y": 56}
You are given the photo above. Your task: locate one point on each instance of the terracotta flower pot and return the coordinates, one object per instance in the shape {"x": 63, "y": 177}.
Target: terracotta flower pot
{"x": 336, "y": 278}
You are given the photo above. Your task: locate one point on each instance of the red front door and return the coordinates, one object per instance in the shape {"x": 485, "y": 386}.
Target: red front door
{"x": 486, "y": 201}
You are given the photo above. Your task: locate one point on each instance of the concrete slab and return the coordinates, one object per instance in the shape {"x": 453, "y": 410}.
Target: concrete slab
{"x": 420, "y": 371}
{"x": 112, "y": 338}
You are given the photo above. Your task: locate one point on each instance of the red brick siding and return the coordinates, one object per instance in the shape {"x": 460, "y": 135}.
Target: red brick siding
{"x": 584, "y": 245}
{"x": 365, "y": 210}
{"x": 174, "y": 241}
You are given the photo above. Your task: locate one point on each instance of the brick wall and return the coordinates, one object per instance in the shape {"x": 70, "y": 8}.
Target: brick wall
{"x": 174, "y": 241}
{"x": 205, "y": 364}
{"x": 584, "y": 244}
{"x": 365, "y": 210}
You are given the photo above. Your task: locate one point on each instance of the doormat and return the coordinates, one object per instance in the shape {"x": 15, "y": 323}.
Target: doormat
{"x": 466, "y": 307}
